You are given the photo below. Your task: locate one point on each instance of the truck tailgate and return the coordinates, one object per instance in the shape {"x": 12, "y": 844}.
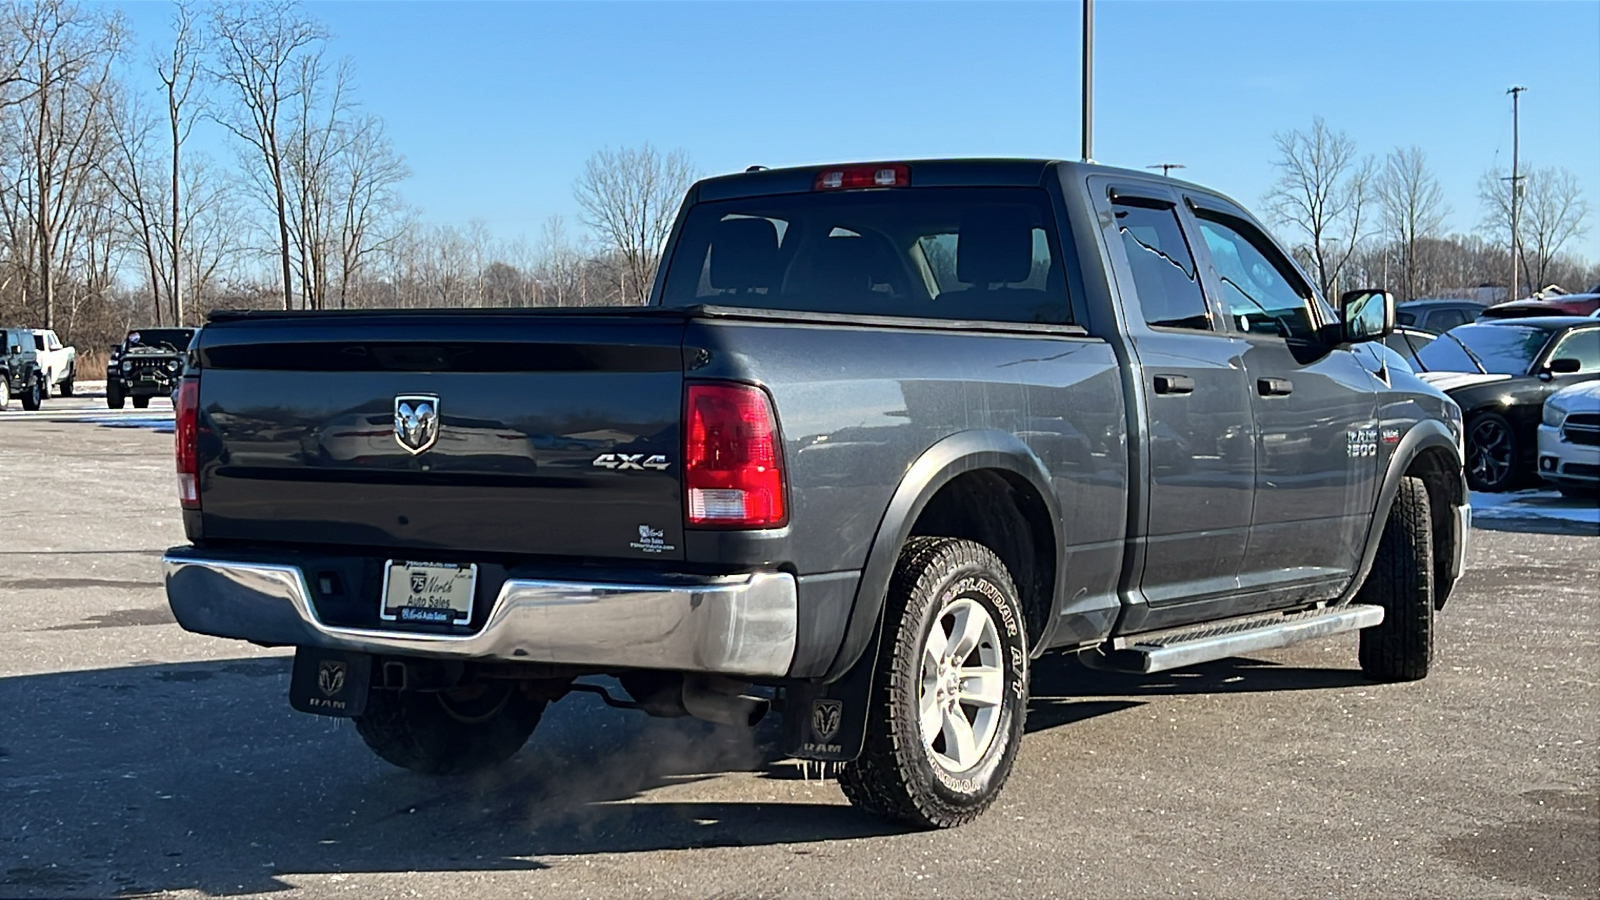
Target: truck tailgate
{"x": 316, "y": 429}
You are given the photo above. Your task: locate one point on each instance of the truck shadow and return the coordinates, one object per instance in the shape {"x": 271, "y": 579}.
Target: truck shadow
{"x": 197, "y": 776}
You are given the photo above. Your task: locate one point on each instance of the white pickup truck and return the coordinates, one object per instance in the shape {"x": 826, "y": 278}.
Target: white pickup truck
{"x": 59, "y": 362}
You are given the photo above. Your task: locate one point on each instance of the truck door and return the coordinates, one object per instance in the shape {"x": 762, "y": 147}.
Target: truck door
{"x": 1197, "y": 433}
{"x": 1315, "y": 413}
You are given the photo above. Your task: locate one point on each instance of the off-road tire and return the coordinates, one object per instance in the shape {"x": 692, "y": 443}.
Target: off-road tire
{"x": 141, "y": 402}
{"x": 44, "y": 386}
{"x": 33, "y": 395}
{"x": 896, "y": 775}
{"x": 427, "y": 732}
{"x": 115, "y": 399}
{"x": 1401, "y": 581}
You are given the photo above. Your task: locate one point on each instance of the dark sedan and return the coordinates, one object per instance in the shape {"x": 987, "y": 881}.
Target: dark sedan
{"x": 1499, "y": 371}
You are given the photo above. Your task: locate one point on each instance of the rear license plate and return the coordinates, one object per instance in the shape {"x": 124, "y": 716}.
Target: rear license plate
{"x": 433, "y": 593}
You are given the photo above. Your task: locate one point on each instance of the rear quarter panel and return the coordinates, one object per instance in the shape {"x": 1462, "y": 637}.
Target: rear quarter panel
{"x": 858, "y": 405}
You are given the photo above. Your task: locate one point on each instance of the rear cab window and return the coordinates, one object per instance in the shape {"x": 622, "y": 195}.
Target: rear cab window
{"x": 971, "y": 254}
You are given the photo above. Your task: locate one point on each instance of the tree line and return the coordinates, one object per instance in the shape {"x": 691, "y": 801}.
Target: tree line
{"x": 1362, "y": 221}
{"x": 111, "y": 219}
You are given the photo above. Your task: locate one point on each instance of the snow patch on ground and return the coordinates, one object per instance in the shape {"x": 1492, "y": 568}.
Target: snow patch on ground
{"x": 1537, "y": 504}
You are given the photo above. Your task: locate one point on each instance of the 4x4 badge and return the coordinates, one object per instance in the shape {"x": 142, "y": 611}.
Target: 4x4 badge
{"x": 416, "y": 421}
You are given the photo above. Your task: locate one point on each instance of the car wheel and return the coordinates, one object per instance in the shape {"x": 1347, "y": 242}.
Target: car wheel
{"x": 950, "y": 693}
{"x": 1400, "y": 648}
{"x": 141, "y": 402}
{"x": 1491, "y": 453}
{"x": 44, "y": 386}
{"x": 5, "y": 392}
{"x": 449, "y": 732}
{"x": 66, "y": 387}
{"x": 115, "y": 399}
{"x": 33, "y": 395}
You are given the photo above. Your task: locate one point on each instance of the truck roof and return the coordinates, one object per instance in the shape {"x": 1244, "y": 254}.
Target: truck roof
{"x": 972, "y": 172}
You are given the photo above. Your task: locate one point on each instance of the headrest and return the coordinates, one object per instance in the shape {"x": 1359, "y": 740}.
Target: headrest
{"x": 744, "y": 254}
{"x": 995, "y": 245}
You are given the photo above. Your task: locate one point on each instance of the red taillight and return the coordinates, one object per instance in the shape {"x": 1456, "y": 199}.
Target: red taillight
{"x": 733, "y": 466}
{"x": 186, "y": 442}
{"x": 848, "y": 177}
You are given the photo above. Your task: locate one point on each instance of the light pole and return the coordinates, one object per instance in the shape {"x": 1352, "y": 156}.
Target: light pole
{"x": 1165, "y": 167}
{"x": 1088, "y": 81}
{"x": 1516, "y": 184}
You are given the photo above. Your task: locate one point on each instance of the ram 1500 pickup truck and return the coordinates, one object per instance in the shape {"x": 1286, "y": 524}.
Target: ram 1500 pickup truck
{"x": 884, "y": 435}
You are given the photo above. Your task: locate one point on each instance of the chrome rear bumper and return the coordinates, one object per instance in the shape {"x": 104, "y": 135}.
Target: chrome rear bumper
{"x": 739, "y": 625}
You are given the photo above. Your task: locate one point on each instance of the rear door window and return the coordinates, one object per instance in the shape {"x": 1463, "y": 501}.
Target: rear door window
{"x": 1446, "y": 319}
{"x": 984, "y": 254}
{"x": 1162, "y": 266}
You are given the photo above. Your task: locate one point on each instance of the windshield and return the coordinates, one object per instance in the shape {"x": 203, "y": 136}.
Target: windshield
{"x": 949, "y": 253}
{"x": 1502, "y": 349}
{"x": 171, "y": 339}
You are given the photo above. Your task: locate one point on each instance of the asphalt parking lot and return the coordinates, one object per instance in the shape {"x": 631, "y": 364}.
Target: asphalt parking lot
{"x": 139, "y": 759}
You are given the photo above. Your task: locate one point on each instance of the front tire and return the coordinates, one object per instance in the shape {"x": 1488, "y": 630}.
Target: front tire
{"x": 950, "y": 692}
{"x": 5, "y": 392}
{"x": 33, "y": 395}
{"x": 1493, "y": 452}
{"x": 1400, "y": 648}
{"x": 449, "y": 732}
{"x": 65, "y": 387}
{"x": 141, "y": 402}
{"x": 115, "y": 399}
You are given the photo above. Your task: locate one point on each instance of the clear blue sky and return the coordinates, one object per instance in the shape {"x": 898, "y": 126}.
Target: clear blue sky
{"x": 496, "y": 105}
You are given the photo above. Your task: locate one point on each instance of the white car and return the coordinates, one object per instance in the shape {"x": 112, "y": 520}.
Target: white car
{"x": 60, "y": 363}
{"x": 1569, "y": 439}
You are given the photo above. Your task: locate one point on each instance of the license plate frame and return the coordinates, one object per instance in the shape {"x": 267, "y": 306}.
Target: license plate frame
{"x": 455, "y": 584}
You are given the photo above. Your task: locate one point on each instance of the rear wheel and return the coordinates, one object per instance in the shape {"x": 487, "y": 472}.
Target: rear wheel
{"x": 1492, "y": 451}
{"x": 141, "y": 402}
{"x": 450, "y": 732}
{"x": 950, "y": 693}
{"x": 1400, "y": 648}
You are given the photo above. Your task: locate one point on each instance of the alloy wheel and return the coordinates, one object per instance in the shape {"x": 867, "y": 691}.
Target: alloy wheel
{"x": 1489, "y": 453}
{"x": 963, "y": 684}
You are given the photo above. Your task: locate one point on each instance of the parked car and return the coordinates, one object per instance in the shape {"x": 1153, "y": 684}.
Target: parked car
{"x": 884, "y": 434}
{"x": 59, "y": 362}
{"x": 1407, "y": 343}
{"x": 20, "y": 374}
{"x": 1500, "y": 371}
{"x": 146, "y": 364}
{"x": 1565, "y": 305}
{"x": 1437, "y": 316}
{"x": 1569, "y": 439}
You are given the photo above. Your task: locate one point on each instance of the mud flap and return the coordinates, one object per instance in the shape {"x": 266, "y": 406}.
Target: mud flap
{"x": 828, "y": 722}
{"x": 330, "y": 682}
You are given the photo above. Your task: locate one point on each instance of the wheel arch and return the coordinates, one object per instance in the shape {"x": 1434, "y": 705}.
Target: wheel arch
{"x": 1428, "y": 451}
{"x": 953, "y": 490}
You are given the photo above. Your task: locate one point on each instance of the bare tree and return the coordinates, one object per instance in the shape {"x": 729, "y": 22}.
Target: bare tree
{"x": 179, "y": 72}
{"x": 368, "y": 173}
{"x": 1413, "y": 208}
{"x": 258, "y": 50}
{"x": 1553, "y": 212}
{"x": 65, "y": 80}
{"x": 1323, "y": 190}
{"x": 629, "y": 197}
{"x": 127, "y": 170}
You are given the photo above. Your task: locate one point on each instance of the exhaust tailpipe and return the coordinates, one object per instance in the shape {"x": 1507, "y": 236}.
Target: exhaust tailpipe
{"x": 722, "y": 700}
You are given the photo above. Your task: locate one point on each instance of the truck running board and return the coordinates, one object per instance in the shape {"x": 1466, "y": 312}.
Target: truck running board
{"x": 1179, "y": 647}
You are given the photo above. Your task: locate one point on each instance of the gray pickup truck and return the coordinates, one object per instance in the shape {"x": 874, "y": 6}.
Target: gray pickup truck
{"x": 884, "y": 434}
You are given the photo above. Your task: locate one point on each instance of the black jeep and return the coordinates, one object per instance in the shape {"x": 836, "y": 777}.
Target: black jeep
{"x": 146, "y": 364}
{"x": 20, "y": 374}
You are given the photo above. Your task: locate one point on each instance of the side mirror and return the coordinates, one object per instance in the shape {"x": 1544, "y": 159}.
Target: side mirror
{"x": 1368, "y": 315}
{"x": 1565, "y": 365}
{"x": 15, "y": 349}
